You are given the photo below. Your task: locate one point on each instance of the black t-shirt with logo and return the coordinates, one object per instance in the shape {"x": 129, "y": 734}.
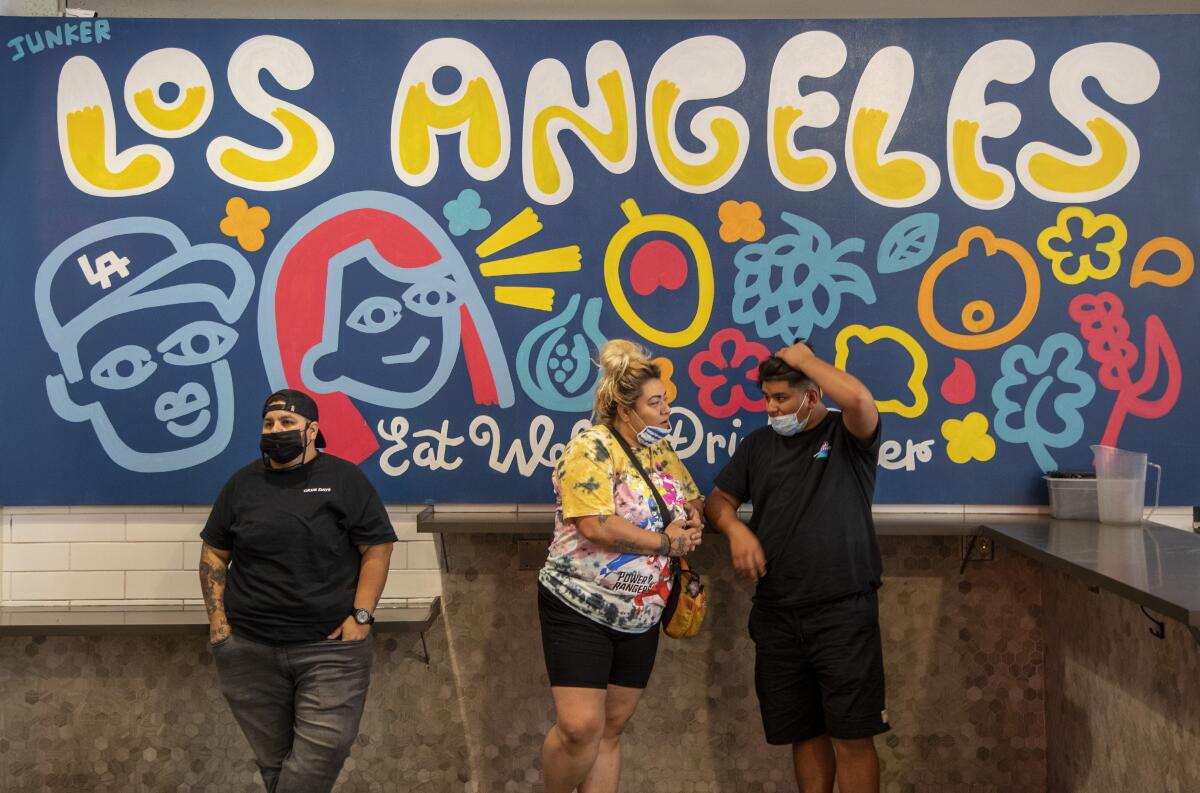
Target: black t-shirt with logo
{"x": 812, "y": 497}
{"x": 294, "y": 536}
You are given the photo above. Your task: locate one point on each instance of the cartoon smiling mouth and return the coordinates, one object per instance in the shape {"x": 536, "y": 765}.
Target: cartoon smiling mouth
{"x": 190, "y": 400}
{"x": 416, "y": 352}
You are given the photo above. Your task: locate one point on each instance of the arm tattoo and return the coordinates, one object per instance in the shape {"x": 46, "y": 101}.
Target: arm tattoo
{"x": 664, "y": 545}
{"x": 212, "y": 585}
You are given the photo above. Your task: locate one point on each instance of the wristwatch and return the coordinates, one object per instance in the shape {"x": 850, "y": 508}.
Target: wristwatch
{"x": 363, "y": 617}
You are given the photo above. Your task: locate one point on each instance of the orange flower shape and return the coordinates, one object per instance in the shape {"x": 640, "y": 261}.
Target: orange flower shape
{"x": 668, "y": 369}
{"x": 246, "y": 223}
{"x": 741, "y": 221}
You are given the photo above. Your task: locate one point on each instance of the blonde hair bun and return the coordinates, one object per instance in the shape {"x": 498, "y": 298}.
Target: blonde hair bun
{"x": 624, "y": 366}
{"x": 618, "y": 355}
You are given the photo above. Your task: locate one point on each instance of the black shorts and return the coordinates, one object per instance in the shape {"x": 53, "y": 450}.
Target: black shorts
{"x": 582, "y": 653}
{"x": 819, "y": 670}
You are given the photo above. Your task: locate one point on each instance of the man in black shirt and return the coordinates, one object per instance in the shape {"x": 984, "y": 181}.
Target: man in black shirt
{"x": 295, "y": 557}
{"x": 811, "y": 546}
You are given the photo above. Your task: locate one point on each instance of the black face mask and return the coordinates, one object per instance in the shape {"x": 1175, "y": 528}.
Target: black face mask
{"x": 284, "y": 446}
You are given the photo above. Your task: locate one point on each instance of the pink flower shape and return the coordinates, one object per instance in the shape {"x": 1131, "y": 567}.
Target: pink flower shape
{"x": 741, "y": 220}
{"x": 712, "y": 370}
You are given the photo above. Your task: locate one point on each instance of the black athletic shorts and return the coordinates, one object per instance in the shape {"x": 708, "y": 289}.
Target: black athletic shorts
{"x": 582, "y": 653}
{"x": 819, "y": 670}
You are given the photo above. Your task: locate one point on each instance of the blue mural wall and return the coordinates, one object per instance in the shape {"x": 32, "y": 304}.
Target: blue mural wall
{"x": 432, "y": 225}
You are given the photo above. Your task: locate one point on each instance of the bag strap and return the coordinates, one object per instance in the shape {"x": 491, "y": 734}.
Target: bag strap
{"x": 662, "y": 504}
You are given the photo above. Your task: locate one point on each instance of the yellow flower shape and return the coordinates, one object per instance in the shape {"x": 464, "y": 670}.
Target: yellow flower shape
{"x": 741, "y": 221}
{"x": 1093, "y": 228}
{"x": 968, "y": 439}
{"x": 246, "y": 223}
{"x": 668, "y": 369}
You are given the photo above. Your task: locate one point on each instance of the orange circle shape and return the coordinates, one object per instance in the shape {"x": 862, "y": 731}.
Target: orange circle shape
{"x": 980, "y": 341}
{"x": 978, "y": 316}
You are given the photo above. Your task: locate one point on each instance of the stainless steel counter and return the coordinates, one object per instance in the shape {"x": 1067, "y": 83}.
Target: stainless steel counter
{"x": 157, "y": 620}
{"x": 1153, "y": 565}
{"x": 541, "y": 522}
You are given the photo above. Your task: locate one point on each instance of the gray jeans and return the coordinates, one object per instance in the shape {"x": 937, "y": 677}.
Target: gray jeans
{"x": 298, "y": 705}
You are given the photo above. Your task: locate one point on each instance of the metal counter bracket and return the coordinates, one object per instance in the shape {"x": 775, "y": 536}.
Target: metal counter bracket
{"x": 425, "y": 515}
{"x": 1159, "y": 631}
{"x": 966, "y": 557}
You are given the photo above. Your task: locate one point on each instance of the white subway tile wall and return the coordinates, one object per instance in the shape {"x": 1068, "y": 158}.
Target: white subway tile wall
{"x": 73, "y": 585}
{"x": 67, "y": 527}
{"x": 104, "y": 556}
{"x": 147, "y": 584}
{"x": 191, "y": 555}
{"x": 177, "y": 526}
{"x": 137, "y": 555}
{"x": 422, "y": 555}
{"x": 126, "y": 556}
{"x": 30, "y": 557}
{"x": 413, "y": 584}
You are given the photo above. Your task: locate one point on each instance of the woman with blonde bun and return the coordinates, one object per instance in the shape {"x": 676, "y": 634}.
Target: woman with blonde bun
{"x": 608, "y": 574}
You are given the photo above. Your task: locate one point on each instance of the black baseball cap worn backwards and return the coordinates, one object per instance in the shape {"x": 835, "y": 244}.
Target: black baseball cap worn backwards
{"x": 297, "y": 402}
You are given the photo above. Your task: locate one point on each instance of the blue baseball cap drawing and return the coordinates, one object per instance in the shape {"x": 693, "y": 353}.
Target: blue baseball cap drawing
{"x": 140, "y": 264}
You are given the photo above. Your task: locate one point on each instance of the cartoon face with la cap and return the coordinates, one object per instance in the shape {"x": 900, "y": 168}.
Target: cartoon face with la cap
{"x": 143, "y": 351}
{"x": 366, "y": 298}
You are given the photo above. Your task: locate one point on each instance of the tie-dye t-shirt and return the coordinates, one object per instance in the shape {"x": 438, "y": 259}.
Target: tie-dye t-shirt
{"x": 624, "y": 591}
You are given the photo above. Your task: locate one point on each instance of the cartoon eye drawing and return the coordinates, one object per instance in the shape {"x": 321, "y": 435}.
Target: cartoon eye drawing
{"x": 431, "y": 300}
{"x": 375, "y": 314}
{"x": 198, "y": 343}
{"x": 125, "y": 367}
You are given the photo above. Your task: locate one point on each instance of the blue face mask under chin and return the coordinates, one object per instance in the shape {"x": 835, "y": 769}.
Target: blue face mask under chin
{"x": 648, "y": 435}
{"x": 789, "y": 425}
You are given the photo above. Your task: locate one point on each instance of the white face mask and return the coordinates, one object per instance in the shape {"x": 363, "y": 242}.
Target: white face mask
{"x": 790, "y": 425}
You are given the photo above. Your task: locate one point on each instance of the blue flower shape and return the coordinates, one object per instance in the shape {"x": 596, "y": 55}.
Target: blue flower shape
{"x": 1066, "y": 405}
{"x": 780, "y": 282}
{"x": 466, "y": 214}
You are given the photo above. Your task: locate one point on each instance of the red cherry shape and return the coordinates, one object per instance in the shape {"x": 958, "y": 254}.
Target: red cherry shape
{"x": 656, "y": 264}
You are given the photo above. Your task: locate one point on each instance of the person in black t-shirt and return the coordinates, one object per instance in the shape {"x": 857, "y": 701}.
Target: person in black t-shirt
{"x": 295, "y": 556}
{"x": 811, "y": 546}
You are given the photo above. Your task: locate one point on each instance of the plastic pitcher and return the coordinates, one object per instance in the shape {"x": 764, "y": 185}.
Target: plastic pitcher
{"x": 1121, "y": 484}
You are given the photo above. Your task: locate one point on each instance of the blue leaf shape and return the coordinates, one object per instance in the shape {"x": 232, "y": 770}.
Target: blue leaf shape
{"x": 909, "y": 243}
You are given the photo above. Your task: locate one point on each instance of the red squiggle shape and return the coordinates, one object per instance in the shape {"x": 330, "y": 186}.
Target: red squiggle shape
{"x": 1102, "y": 322}
{"x": 714, "y": 358}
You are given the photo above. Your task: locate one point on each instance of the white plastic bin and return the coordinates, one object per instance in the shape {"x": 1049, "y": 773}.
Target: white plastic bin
{"x": 1073, "y": 497}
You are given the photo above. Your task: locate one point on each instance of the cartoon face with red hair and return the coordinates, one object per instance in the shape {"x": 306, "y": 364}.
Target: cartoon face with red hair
{"x": 366, "y": 298}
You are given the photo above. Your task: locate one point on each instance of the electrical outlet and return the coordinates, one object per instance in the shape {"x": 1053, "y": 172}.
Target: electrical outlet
{"x": 983, "y": 550}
